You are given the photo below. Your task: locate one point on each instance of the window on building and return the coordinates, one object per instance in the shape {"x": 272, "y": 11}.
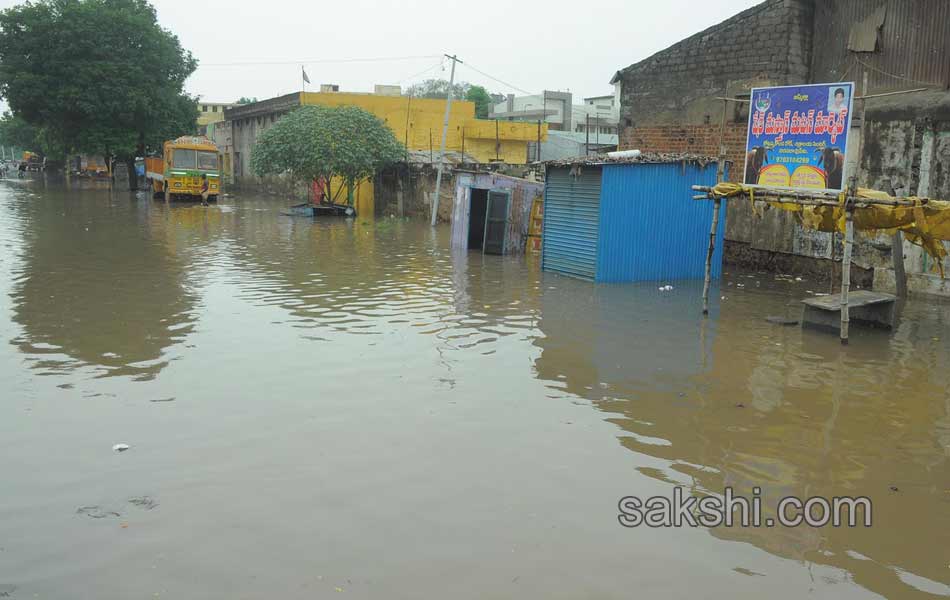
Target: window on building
{"x": 204, "y": 108}
{"x": 214, "y": 108}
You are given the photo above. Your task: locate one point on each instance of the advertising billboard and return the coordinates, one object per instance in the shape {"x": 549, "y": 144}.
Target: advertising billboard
{"x": 798, "y": 136}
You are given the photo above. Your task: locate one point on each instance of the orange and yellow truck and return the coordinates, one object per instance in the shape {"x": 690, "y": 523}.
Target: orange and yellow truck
{"x": 185, "y": 162}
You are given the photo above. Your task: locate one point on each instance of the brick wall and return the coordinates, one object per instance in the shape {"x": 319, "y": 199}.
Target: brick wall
{"x": 697, "y": 139}
{"x": 768, "y": 44}
{"x": 669, "y": 102}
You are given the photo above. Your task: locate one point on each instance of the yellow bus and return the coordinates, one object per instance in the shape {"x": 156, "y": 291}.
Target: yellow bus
{"x": 177, "y": 174}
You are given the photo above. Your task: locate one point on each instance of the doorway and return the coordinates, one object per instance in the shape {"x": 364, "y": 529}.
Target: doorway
{"x": 496, "y": 223}
{"x": 478, "y": 214}
{"x": 488, "y": 220}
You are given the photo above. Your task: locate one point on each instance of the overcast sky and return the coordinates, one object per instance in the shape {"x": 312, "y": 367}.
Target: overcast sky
{"x": 528, "y": 44}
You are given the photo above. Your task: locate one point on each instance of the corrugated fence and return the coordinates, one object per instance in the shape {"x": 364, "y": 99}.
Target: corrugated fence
{"x": 912, "y": 46}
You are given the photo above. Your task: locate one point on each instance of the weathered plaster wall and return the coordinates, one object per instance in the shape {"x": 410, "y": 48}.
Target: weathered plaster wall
{"x": 669, "y": 103}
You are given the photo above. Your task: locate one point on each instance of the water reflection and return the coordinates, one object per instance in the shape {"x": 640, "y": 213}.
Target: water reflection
{"x": 742, "y": 403}
{"x": 95, "y": 285}
{"x": 370, "y": 329}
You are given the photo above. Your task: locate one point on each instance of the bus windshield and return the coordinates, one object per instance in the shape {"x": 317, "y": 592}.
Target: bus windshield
{"x": 207, "y": 161}
{"x": 183, "y": 159}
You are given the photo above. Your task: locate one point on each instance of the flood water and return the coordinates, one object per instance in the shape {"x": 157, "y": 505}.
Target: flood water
{"x": 347, "y": 407}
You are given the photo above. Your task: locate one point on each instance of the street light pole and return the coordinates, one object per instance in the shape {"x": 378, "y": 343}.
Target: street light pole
{"x": 445, "y": 130}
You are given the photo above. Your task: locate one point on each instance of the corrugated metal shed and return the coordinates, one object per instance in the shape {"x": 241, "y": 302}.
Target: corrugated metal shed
{"x": 633, "y": 221}
{"x": 910, "y": 50}
{"x": 571, "y": 221}
{"x": 652, "y": 228}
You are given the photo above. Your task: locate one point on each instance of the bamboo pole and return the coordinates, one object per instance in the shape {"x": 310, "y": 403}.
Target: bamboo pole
{"x": 897, "y": 255}
{"x": 709, "y": 255}
{"x": 808, "y": 198}
{"x": 849, "y": 224}
{"x": 717, "y": 203}
{"x": 846, "y": 275}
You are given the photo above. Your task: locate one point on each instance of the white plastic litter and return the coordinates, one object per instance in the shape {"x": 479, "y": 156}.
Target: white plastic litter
{"x": 665, "y": 288}
{"x": 624, "y": 154}
{"x": 120, "y": 447}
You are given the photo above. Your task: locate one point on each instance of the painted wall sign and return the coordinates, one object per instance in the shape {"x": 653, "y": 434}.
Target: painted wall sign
{"x": 798, "y": 136}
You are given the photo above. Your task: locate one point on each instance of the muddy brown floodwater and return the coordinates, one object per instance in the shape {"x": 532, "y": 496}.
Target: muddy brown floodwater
{"x": 343, "y": 407}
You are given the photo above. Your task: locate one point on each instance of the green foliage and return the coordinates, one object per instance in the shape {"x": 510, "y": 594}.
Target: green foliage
{"x": 246, "y": 100}
{"x": 314, "y": 142}
{"x": 14, "y": 131}
{"x": 437, "y": 88}
{"x": 97, "y": 76}
{"x": 482, "y": 100}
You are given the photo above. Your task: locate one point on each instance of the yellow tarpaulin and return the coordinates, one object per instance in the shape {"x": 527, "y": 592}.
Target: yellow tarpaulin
{"x": 925, "y": 224}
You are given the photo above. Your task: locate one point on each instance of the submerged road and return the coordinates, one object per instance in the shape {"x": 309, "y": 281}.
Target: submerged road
{"x": 348, "y": 407}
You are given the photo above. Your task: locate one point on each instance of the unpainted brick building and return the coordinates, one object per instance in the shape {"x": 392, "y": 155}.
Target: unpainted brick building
{"x": 672, "y": 102}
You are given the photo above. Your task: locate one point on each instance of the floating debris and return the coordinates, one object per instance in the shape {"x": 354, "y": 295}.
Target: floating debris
{"x": 145, "y": 502}
{"x": 96, "y": 512}
{"x": 120, "y": 447}
{"x": 781, "y": 320}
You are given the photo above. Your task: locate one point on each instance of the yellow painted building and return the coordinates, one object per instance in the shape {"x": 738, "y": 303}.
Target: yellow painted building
{"x": 416, "y": 122}
{"x": 211, "y": 112}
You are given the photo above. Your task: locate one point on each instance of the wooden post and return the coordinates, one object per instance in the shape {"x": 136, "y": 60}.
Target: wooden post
{"x": 846, "y": 264}
{"x": 897, "y": 256}
{"x": 538, "y": 153}
{"x": 849, "y": 224}
{"x": 497, "y": 144}
{"x": 720, "y": 172}
{"x": 709, "y": 254}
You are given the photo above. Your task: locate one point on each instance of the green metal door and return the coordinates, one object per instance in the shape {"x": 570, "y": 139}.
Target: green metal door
{"x": 496, "y": 223}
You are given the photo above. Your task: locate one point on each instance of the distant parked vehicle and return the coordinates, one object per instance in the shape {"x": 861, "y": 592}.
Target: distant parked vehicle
{"x": 177, "y": 174}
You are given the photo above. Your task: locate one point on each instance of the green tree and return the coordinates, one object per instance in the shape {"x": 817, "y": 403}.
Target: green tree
{"x": 97, "y": 76}
{"x": 320, "y": 142}
{"x": 482, "y": 100}
{"x": 437, "y": 88}
{"x": 14, "y": 131}
{"x": 246, "y": 100}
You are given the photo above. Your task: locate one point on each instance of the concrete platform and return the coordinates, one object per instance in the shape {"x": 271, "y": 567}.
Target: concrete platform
{"x": 864, "y": 306}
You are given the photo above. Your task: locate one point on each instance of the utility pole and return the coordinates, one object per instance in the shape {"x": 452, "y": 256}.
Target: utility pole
{"x": 445, "y": 131}
{"x": 587, "y": 129}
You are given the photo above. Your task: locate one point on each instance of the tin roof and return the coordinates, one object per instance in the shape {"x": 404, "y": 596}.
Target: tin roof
{"x": 645, "y": 157}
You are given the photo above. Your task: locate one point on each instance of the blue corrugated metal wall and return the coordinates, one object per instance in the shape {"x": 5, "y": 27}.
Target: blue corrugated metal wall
{"x": 650, "y": 227}
{"x": 571, "y": 221}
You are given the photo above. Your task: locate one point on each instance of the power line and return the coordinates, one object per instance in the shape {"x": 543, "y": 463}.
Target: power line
{"x": 319, "y": 61}
{"x": 496, "y": 80}
{"x": 421, "y": 73}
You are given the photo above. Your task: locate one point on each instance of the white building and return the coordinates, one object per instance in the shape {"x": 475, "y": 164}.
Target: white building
{"x": 553, "y": 108}
{"x": 599, "y": 114}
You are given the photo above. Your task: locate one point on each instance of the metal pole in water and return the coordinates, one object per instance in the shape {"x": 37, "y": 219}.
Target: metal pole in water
{"x": 445, "y": 130}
